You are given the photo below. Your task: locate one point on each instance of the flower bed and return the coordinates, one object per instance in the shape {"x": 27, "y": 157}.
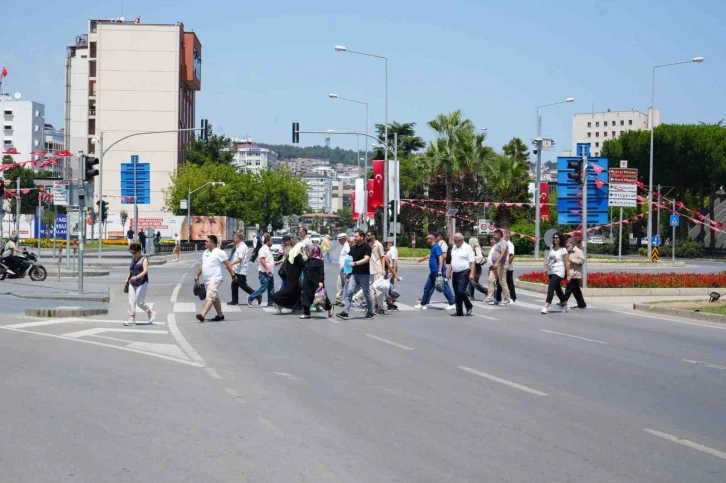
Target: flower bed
{"x": 641, "y": 280}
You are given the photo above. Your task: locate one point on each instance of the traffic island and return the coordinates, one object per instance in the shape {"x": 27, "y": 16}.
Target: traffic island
{"x": 63, "y": 312}
{"x": 626, "y": 291}
{"x": 690, "y": 309}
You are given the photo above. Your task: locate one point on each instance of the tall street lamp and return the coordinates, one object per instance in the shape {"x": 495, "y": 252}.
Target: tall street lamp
{"x": 365, "y": 166}
{"x": 341, "y": 48}
{"x": 538, "y": 176}
{"x": 189, "y": 205}
{"x": 696, "y": 60}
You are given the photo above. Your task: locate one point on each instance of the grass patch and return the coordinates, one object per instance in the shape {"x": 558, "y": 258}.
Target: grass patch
{"x": 720, "y": 310}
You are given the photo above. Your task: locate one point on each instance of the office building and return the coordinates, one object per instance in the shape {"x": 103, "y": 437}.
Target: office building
{"x": 23, "y": 127}
{"x": 320, "y": 192}
{"x": 128, "y": 77}
{"x": 597, "y": 127}
{"x": 248, "y": 157}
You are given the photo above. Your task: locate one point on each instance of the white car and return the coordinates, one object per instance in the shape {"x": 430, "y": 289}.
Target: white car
{"x": 276, "y": 248}
{"x": 315, "y": 237}
{"x": 596, "y": 240}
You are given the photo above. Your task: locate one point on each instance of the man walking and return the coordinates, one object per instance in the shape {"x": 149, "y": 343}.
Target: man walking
{"x": 509, "y": 265}
{"x": 266, "y": 263}
{"x": 461, "y": 273}
{"x": 445, "y": 250}
{"x": 361, "y": 253}
{"x": 213, "y": 260}
{"x": 378, "y": 265}
{"x": 130, "y": 236}
{"x": 240, "y": 262}
{"x": 498, "y": 270}
{"x": 342, "y": 284}
{"x": 436, "y": 261}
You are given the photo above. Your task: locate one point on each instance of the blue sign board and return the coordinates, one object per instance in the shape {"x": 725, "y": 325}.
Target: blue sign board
{"x": 655, "y": 241}
{"x": 569, "y": 192}
{"x": 135, "y": 182}
{"x": 47, "y": 231}
{"x": 675, "y": 220}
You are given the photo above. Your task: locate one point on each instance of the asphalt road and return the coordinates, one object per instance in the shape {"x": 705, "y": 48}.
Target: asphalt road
{"x": 508, "y": 395}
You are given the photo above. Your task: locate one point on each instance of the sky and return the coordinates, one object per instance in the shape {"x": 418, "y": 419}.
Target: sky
{"x": 267, "y": 64}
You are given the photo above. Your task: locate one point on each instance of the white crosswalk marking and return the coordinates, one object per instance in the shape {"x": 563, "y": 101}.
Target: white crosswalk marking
{"x": 185, "y": 307}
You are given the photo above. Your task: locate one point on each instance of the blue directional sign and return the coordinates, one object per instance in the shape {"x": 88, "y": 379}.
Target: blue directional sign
{"x": 675, "y": 220}
{"x": 45, "y": 231}
{"x": 655, "y": 241}
{"x": 136, "y": 182}
{"x": 569, "y": 193}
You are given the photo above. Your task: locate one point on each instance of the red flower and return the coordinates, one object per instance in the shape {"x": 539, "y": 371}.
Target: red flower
{"x": 642, "y": 280}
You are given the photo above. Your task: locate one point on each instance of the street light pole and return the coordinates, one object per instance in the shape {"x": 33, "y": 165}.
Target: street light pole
{"x": 696, "y": 60}
{"x": 538, "y": 175}
{"x": 340, "y": 48}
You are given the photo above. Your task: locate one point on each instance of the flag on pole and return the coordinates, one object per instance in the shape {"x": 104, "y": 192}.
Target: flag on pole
{"x": 4, "y": 72}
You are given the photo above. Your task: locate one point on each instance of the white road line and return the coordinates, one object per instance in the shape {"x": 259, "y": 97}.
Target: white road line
{"x": 179, "y": 337}
{"x": 87, "y": 332}
{"x": 175, "y": 293}
{"x": 687, "y": 443}
{"x": 705, "y": 364}
{"x": 484, "y": 316}
{"x": 671, "y": 319}
{"x": 573, "y": 336}
{"x": 213, "y": 374}
{"x": 288, "y": 376}
{"x": 234, "y": 393}
{"x": 526, "y": 305}
{"x": 185, "y": 307}
{"x": 40, "y": 323}
{"x": 110, "y": 321}
{"x": 386, "y": 341}
{"x": 118, "y": 347}
{"x": 502, "y": 381}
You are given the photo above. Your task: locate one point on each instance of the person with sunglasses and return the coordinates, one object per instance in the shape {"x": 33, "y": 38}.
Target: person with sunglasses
{"x": 137, "y": 282}
{"x": 558, "y": 264}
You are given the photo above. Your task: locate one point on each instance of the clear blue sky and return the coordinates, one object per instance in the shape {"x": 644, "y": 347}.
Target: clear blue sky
{"x": 266, "y": 64}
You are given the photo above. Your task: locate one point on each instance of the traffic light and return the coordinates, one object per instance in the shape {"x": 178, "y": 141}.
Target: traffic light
{"x": 103, "y": 210}
{"x": 577, "y": 175}
{"x": 391, "y": 208}
{"x": 91, "y": 171}
{"x": 295, "y": 132}
{"x": 205, "y": 130}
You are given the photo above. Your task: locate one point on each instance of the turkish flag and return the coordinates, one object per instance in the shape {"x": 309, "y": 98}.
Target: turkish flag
{"x": 376, "y": 199}
{"x": 544, "y": 199}
{"x": 599, "y": 183}
{"x": 596, "y": 168}
{"x": 4, "y": 73}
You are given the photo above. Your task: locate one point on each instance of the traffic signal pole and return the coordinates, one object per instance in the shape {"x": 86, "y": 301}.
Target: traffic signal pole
{"x": 81, "y": 220}
{"x": 100, "y": 195}
{"x": 584, "y": 220}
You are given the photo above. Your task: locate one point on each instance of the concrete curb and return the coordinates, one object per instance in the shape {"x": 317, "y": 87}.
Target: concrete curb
{"x": 540, "y": 263}
{"x": 152, "y": 263}
{"x": 67, "y": 274}
{"x": 68, "y": 297}
{"x": 688, "y": 314}
{"x": 62, "y": 313}
{"x": 624, "y": 292}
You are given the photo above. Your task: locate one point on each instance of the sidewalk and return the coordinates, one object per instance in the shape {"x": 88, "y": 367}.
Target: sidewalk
{"x": 52, "y": 290}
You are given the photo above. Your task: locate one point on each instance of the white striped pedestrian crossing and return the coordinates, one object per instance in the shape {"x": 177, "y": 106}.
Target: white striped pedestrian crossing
{"x": 185, "y": 307}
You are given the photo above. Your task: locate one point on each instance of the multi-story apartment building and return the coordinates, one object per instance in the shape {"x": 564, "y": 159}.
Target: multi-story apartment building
{"x": 23, "y": 127}
{"x": 124, "y": 78}
{"x": 250, "y": 157}
{"x": 597, "y": 127}
{"x": 320, "y": 192}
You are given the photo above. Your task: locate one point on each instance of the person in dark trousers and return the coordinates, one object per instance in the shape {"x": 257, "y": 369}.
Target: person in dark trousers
{"x": 436, "y": 260}
{"x": 480, "y": 261}
{"x": 130, "y": 236}
{"x": 313, "y": 280}
{"x": 239, "y": 263}
{"x": 142, "y": 241}
{"x": 509, "y": 266}
{"x": 360, "y": 251}
{"x": 461, "y": 272}
{"x": 157, "y": 241}
{"x": 289, "y": 296}
{"x": 577, "y": 259}
{"x": 557, "y": 263}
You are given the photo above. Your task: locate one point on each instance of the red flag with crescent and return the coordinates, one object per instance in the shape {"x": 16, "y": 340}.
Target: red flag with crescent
{"x": 376, "y": 200}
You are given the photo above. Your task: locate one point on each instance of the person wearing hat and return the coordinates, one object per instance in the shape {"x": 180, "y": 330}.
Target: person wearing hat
{"x": 11, "y": 248}
{"x": 342, "y": 285}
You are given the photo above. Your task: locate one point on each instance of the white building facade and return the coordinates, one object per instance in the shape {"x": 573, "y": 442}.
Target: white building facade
{"x": 23, "y": 127}
{"x": 124, "y": 78}
{"x": 248, "y": 157}
{"x": 597, "y": 127}
{"x": 320, "y": 192}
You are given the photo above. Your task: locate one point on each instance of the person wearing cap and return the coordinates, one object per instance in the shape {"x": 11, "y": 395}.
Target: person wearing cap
{"x": 342, "y": 285}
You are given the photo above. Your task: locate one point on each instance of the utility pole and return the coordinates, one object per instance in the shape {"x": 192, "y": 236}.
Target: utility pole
{"x": 100, "y": 195}
{"x": 537, "y": 180}
{"x": 584, "y": 219}
{"x": 81, "y": 220}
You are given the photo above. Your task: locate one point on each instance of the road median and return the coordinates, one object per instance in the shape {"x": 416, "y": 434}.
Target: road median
{"x": 680, "y": 312}
{"x": 625, "y": 292}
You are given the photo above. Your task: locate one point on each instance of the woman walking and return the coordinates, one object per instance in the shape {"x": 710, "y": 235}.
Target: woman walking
{"x": 289, "y": 296}
{"x": 137, "y": 282}
{"x": 577, "y": 259}
{"x": 480, "y": 261}
{"x": 313, "y": 281}
{"x": 558, "y": 263}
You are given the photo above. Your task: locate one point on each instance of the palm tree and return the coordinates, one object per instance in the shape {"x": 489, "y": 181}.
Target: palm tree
{"x": 448, "y": 151}
{"x": 505, "y": 176}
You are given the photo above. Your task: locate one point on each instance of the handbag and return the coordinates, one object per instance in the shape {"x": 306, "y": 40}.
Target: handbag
{"x": 439, "y": 283}
{"x": 200, "y": 290}
{"x": 382, "y": 285}
{"x": 282, "y": 272}
{"x": 320, "y": 296}
{"x": 131, "y": 271}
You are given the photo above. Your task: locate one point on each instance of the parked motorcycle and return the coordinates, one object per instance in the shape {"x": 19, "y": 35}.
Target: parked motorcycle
{"x": 21, "y": 265}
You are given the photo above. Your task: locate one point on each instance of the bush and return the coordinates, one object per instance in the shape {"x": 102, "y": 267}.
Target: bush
{"x": 641, "y": 280}
{"x": 523, "y": 246}
{"x": 685, "y": 249}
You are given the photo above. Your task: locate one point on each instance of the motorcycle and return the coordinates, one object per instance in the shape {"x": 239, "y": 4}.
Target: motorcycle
{"x": 21, "y": 265}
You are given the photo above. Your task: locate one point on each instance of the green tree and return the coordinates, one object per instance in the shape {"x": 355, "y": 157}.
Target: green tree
{"x": 29, "y": 201}
{"x": 516, "y": 148}
{"x": 124, "y": 218}
{"x": 508, "y": 180}
{"x": 215, "y": 151}
{"x": 345, "y": 218}
{"x": 276, "y": 194}
{"x": 408, "y": 141}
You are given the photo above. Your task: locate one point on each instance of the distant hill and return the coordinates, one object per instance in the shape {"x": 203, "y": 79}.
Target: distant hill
{"x": 334, "y": 155}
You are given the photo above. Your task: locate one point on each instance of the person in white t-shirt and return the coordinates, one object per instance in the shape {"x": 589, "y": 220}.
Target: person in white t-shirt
{"x": 558, "y": 264}
{"x": 265, "y": 266}
{"x": 213, "y": 260}
{"x": 509, "y": 266}
{"x": 342, "y": 285}
{"x": 240, "y": 260}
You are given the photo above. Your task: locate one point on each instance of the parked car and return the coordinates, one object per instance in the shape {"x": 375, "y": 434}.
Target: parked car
{"x": 596, "y": 240}
{"x": 276, "y": 247}
{"x": 315, "y": 237}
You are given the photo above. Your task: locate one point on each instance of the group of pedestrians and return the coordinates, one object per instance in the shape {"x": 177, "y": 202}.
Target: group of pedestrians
{"x": 564, "y": 262}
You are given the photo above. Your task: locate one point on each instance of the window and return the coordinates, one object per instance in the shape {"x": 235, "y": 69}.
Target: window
{"x": 589, "y": 124}
{"x": 630, "y": 122}
{"x": 589, "y": 134}
{"x": 605, "y": 124}
{"x": 604, "y": 134}
{"x": 597, "y": 145}
{"x": 597, "y": 134}
{"x": 8, "y": 113}
{"x": 622, "y": 123}
{"x": 614, "y": 134}
{"x": 597, "y": 124}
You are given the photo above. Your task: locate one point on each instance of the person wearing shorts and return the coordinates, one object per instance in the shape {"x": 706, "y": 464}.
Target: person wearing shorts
{"x": 213, "y": 260}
